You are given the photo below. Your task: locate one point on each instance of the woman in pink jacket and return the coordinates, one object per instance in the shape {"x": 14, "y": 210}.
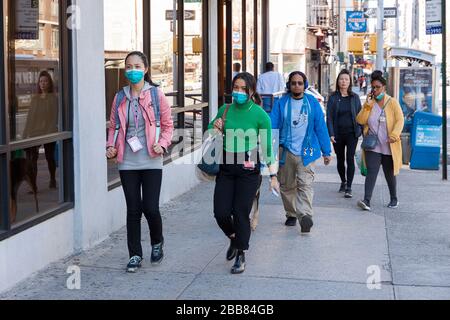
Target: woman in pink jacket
{"x": 139, "y": 141}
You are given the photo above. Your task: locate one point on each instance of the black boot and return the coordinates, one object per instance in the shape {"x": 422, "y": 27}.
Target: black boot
{"x": 239, "y": 263}
{"x": 232, "y": 251}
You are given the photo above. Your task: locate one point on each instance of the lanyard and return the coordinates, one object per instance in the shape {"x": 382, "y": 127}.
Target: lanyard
{"x": 136, "y": 117}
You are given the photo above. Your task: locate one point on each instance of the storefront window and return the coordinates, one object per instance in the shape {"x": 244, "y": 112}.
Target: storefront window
{"x": 237, "y": 37}
{"x": 123, "y": 34}
{"x": 193, "y": 69}
{"x": 39, "y": 111}
{"x": 250, "y": 29}
{"x": 260, "y": 40}
{"x": 34, "y": 68}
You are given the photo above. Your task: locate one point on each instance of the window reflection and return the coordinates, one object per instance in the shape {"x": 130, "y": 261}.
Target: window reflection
{"x": 34, "y": 109}
{"x": 42, "y": 117}
{"x": 250, "y": 37}
{"x": 34, "y": 181}
{"x": 193, "y": 68}
{"x": 163, "y": 46}
{"x": 237, "y": 37}
{"x": 33, "y": 58}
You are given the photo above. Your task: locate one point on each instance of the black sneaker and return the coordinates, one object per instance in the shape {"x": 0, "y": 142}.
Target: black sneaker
{"x": 306, "y": 223}
{"x": 157, "y": 253}
{"x": 364, "y": 204}
{"x": 239, "y": 263}
{"x": 343, "y": 187}
{"x": 291, "y": 221}
{"x": 232, "y": 251}
{"x": 393, "y": 204}
{"x": 348, "y": 194}
{"x": 134, "y": 264}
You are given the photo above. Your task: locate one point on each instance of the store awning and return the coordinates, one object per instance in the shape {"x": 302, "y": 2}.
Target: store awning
{"x": 289, "y": 39}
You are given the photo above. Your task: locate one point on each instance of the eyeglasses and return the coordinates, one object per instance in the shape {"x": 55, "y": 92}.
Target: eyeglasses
{"x": 298, "y": 83}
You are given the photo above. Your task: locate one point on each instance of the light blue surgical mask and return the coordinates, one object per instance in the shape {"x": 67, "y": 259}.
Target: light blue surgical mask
{"x": 240, "y": 97}
{"x": 380, "y": 96}
{"x": 135, "y": 76}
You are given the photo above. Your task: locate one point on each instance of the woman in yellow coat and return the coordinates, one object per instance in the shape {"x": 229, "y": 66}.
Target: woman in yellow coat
{"x": 383, "y": 116}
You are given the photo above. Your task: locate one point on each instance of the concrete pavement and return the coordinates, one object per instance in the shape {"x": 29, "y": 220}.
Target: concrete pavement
{"x": 409, "y": 248}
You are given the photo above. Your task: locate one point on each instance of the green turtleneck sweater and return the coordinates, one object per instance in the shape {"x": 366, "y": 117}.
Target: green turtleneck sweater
{"x": 244, "y": 124}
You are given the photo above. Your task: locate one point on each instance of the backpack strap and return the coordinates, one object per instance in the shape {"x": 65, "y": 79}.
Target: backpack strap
{"x": 119, "y": 99}
{"x": 156, "y": 105}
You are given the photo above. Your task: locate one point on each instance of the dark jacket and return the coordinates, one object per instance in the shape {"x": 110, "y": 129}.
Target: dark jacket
{"x": 332, "y": 113}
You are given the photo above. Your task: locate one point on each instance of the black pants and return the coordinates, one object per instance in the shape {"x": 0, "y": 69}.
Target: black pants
{"x": 33, "y": 155}
{"x": 148, "y": 203}
{"x": 233, "y": 199}
{"x": 350, "y": 142}
{"x": 373, "y": 162}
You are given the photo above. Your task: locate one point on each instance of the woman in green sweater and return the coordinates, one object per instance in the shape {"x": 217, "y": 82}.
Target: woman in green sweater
{"x": 246, "y": 123}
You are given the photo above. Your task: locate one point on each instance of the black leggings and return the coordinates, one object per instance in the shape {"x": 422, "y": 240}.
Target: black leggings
{"x": 373, "y": 162}
{"x": 150, "y": 181}
{"x": 33, "y": 155}
{"x": 350, "y": 142}
{"x": 233, "y": 200}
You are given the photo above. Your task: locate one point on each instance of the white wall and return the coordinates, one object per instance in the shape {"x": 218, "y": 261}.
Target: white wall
{"x": 33, "y": 249}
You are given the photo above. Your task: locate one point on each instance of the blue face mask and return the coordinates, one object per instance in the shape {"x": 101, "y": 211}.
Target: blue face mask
{"x": 380, "y": 96}
{"x": 135, "y": 76}
{"x": 240, "y": 97}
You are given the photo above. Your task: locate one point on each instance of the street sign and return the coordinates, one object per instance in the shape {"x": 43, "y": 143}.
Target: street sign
{"x": 188, "y": 15}
{"x": 356, "y": 21}
{"x": 434, "y": 17}
{"x": 370, "y": 12}
{"x": 388, "y": 12}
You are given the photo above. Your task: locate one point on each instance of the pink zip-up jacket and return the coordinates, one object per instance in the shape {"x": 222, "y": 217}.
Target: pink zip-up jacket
{"x": 145, "y": 100}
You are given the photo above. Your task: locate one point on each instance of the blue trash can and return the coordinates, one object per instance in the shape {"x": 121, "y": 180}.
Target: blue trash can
{"x": 426, "y": 141}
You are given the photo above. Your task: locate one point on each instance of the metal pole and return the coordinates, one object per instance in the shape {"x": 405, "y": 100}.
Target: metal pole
{"x": 380, "y": 36}
{"x": 444, "y": 92}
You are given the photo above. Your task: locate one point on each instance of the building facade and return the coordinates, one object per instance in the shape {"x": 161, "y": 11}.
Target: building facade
{"x": 58, "y": 193}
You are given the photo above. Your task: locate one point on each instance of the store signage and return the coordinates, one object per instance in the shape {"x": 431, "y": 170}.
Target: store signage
{"x": 27, "y": 16}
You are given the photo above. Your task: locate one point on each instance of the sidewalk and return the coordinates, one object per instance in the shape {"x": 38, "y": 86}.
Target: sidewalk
{"x": 410, "y": 245}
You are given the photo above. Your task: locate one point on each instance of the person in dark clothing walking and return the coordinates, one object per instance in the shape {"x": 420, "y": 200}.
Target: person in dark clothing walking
{"x": 342, "y": 109}
{"x": 242, "y": 124}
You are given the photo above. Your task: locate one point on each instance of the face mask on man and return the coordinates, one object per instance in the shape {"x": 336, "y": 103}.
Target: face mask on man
{"x": 135, "y": 76}
{"x": 240, "y": 97}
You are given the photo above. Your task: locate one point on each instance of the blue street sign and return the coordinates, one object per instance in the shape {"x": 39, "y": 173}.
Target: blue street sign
{"x": 356, "y": 22}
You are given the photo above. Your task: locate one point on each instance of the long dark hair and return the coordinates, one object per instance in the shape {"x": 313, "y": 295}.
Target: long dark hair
{"x": 250, "y": 83}
{"x": 144, "y": 59}
{"x": 51, "y": 87}
{"x": 349, "y": 91}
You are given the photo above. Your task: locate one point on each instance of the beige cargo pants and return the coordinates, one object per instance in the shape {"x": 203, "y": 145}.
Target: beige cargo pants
{"x": 296, "y": 186}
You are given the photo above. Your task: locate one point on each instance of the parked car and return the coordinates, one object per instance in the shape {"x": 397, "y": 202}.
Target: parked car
{"x": 318, "y": 96}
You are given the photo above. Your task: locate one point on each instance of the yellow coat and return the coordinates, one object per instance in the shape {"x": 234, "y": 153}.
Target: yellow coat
{"x": 395, "y": 122}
